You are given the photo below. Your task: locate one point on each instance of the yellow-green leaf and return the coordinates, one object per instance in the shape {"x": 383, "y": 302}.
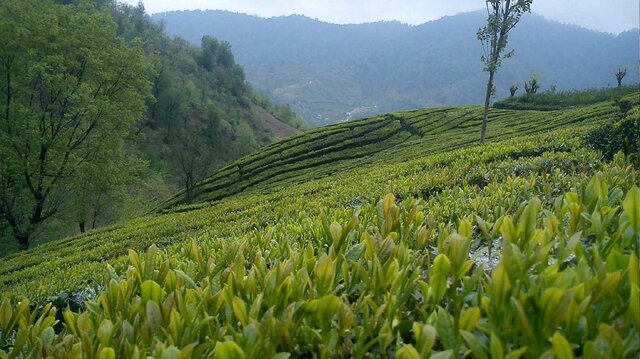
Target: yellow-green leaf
{"x": 229, "y": 350}
{"x": 631, "y": 205}
{"x": 495, "y": 347}
{"x": 107, "y": 353}
{"x": 561, "y": 347}
{"x": 469, "y": 318}
{"x": 150, "y": 290}
{"x": 407, "y": 352}
{"x": 240, "y": 310}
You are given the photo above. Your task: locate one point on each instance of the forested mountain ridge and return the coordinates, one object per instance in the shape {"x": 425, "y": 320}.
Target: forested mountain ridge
{"x": 331, "y": 72}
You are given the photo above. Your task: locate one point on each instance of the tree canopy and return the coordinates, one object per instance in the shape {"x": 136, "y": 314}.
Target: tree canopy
{"x": 70, "y": 90}
{"x": 503, "y": 16}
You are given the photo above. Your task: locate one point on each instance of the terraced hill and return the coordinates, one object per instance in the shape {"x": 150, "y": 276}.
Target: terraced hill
{"x": 392, "y": 138}
{"x": 391, "y": 236}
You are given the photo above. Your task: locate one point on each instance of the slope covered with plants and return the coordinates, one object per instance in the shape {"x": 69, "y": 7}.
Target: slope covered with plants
{"x": 390, "y": 138}
{"x": 526, "y": 246}
{"x": 112, "y": 134}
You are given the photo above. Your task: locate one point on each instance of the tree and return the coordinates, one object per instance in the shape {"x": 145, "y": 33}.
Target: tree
{"x": 620, "y": 74}
{"x": 532, "y": 86}
{"x": 513, "y": 89}
{"x": 70, "y": 90}
{"x": 194, "y": 158}
{"x": 503, "y": 15}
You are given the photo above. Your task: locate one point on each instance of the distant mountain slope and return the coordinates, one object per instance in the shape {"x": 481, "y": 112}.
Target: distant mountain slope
{"x": 334, "y": 72}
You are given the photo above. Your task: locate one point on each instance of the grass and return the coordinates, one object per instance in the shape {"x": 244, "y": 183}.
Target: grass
{"x": 362, "y": 239}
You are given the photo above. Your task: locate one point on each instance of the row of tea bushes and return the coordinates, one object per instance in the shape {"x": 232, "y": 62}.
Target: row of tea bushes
{"x": 391, "y": 281}
{"x": 492, "y": 180}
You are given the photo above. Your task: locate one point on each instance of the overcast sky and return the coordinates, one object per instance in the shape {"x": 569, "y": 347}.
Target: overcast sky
{"x": 612, "y": 16}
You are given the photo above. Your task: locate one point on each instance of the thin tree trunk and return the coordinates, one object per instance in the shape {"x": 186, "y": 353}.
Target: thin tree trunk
{"x": 23, "y": 240}
{"x": 94, "y": 222}
{"x": 487, "y": 100}
{"x": 82, "y": 226}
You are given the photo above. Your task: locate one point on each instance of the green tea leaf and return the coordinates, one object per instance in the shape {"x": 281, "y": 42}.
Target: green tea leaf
{"x": 107, "y": 353}
{"x": 631, "y": 205}
{"x": 407, "y": 352}
{"x": 474, "y": 345}
{"x": 495, "y": 347}
{"x": 240, "y": 310}
{"x": 561, "y": 347}
{"x": 229, "y": 350}
{"x": 150, "y": 290}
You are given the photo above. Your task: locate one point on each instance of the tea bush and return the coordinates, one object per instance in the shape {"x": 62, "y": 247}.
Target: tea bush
{"x": 623, "y": 135}
{"x": 566, "y": 284}
{"x": 524, "y": 247}
{"x": 551, "y": 100}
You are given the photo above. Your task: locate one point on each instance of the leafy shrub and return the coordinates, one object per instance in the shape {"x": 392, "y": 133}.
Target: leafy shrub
{"x": 611, "y": 138}
{"x": 565, "y": 285}
{"x": 520, "y": 248}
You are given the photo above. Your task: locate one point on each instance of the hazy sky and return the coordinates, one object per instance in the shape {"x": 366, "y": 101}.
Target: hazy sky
{"x": 605, "y": 15}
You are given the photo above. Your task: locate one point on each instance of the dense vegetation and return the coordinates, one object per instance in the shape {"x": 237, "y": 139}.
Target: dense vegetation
{"x": 333, "y": 72}
{"x": 104, "y": 116}
{"x": 524, "y": 247}
{"x": 552, "y": 100}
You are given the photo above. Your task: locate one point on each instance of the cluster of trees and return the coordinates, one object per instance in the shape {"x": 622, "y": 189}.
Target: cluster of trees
{"x": 102, "y": 115}
{"x": 503, "y": 16}
{"x": 533, "y": 85}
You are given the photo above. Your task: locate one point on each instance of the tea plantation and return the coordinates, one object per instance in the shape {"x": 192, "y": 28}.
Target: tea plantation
{"x": 396, "y": 236}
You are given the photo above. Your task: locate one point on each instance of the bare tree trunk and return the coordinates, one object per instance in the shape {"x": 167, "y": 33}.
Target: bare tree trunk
{"x": 94, "y": 221}
{"x": 82, "y": 226}
{"x": 487, "y": 100}
{"x": 23, "y": 240}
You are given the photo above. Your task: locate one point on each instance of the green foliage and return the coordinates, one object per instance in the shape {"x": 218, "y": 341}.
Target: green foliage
{"x": 392, "y": 138}
{"x": 201, "y": 115}
{"x": 623, "y": 135}
{"x": 556, "y": 286}
{"x": 549, "y": 101}
{"x": 71, "y": 91}
{"x": 525, "y": 247}
{"x": 532, "y": 86}
{"x": 204, "y": 114}
{"x": 503, "y": 16}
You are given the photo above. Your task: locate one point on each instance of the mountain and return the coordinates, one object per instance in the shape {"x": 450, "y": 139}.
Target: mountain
{"x": 330, "y": 72}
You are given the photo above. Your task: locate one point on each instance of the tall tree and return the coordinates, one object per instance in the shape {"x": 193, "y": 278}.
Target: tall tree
{"x": 620, "y": 74}
{"x": 503, "y": 16}
{"x": 70, "y": 90}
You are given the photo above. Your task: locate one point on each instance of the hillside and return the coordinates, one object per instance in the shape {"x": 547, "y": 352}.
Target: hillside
{"x": 390, "y": 138}
{"x": 197, "y": 114}
{"x": 330, "y": 73}
{"x": 202, "y": 111}
{"x": 374, "y": 236}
